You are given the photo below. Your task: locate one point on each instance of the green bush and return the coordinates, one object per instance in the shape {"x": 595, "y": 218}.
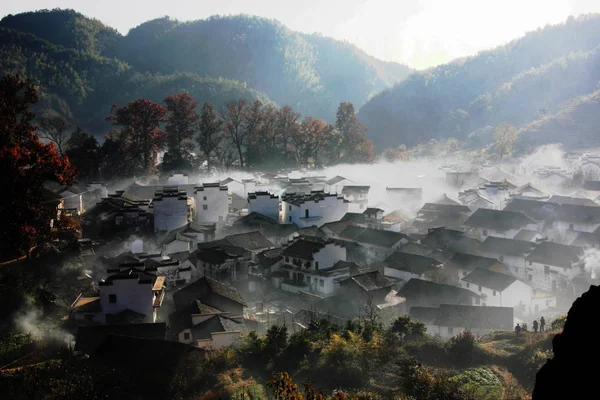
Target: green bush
{"x": 483, "y": 383}
{"x": 461, "y": 348}
{"x": 559, "y": 323}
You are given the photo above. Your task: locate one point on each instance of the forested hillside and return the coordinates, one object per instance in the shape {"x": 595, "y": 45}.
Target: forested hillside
{"x": 83, "y": 66}
{"x": 540, "y": 76}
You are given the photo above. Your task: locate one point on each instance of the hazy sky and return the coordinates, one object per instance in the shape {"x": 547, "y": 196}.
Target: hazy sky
{"x": 420, "y": 33}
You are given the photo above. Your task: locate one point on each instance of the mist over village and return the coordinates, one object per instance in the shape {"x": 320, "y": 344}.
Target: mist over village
{"x": 227, "y": 208}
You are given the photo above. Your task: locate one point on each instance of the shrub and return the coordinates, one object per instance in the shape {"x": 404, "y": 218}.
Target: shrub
{"x": 483, "y": 383}
{"x": 407, "y": 328}
{"x": 559, "y": 323}
{"x": 461, "y": 347}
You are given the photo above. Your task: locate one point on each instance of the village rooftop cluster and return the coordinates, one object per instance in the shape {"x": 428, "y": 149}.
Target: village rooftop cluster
{"x": 202, "y": 263}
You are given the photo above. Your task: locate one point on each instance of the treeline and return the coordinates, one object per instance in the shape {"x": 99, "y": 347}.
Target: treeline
{"x": 242, "y": 135}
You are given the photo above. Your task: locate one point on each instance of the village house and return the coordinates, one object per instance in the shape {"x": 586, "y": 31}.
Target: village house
{"x": 377, "y": 242}
{"x": 54, "y": 203}
{"x": 551, "y": 265}
{"x": 368, "y": 286}
{"x": 448, "y": 320}
{"x": 423, "y": 250}
{"x": 511, "y": 252}
{"x": 529, "y": 235}
{"x": 337, "y": 183}
{"x": 277, "y": 233}
{"x": 543, "y": 212}
{"x": 577, "y": 218}
{"x": 500, "y": 290}
{"x": 441, "y": 237}
{"x": 233, "y": 186}
{"x": 358, "y": 196}
{"x": 224, "y": 263}
{"x": 498, "y": 223}
{"x": 473, "y": 199}
{"x": 212, "y": 203}
{"x": 94, "y": 193}
{"x": 529, "y": 192}
{"x": 203, "y": 326}
{"x": 432, "y": 215}
{"x": 406, "y": 266}
{"x": 170, "y": 209}
{"x": 421, "y": 293}
{"x": 587, "y": 239}
{"x": 316, "y": 208}
{"x": 333, "y": 230}
{"x": 254, "y": 242}
{"x": 186, "y": 238}
{"x": 462, "y": 264}
{"x": 553, "y": 179}
{"x": 131, "y": 294}
{"x": 71, "y": 195}
{"x": 178, "y": 179}
{"x": 312, "y": 265}
{"x": 396, "y": 221}
{"x": 212, "y": 293}
{"x": 264, "y": 203}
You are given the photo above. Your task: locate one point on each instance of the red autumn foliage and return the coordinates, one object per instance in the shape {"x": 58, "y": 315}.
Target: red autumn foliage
{"x": 26, "y": 163}
{"x": 138, "y": 128}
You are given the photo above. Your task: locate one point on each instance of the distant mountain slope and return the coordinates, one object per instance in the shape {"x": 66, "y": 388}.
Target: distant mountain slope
{"x": 309, "y": 72}
{"x": 516, "y": 83}
{"x": 83, "y": 65}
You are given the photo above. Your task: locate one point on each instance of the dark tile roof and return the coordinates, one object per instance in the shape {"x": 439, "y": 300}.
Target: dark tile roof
{"x": 507, "y": 247}
{"x": 432, "y": 294}
{"x": 267, "y": 258}
{"x": 439, "y": 238}
{"x": 303, "y": 248}
{"x": 181, "y": 319}
{"x": 499, "y": 220}
{"x": 578, "y": 214}
{"x": 448, "y": 209}
{"x": 463, "y": 245}
{"x": 200, "y": 290}
{"x": 335, "y": 180}
{"x": 586, "y": 239}
{"x": 372, "y": 211}
{"x": 411, "y": 263}
{"x": 470, "y": 262}
{"x": 446, "y": 200}
{"x": 376, "y": 237}
{"x": 141, "y": 275}
{"x": 373, "y": 280}
{"x": 216, "y": 324}
{"x": 255, "y": 195}
{"x": 249, "y": 241}
{"x": 215, "y": 255}
{"x": 489, "y": 279}
{"x": 426, "y": 315}
{"x": 356, "y": 189}
{"x": 536, "y": 210}
{"x": 314, "y": 196}
{"x": 526, "y": 235}
{"x": 574, "y": 201}
{"x": 423, "y": 250}
{"x": 358, "y": 218}
{"x": 337, "y": 227}
{"x": 591, "y": 185}
{"x": 475, "y": 317}
{"x": 558, "y": 255}
{"x": 90, "y": 337}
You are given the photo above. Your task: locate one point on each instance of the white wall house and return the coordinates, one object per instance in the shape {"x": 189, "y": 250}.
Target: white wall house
{"x": 551, "y": 265}
{"x": 500, "y": 290}
{"x": 264, "y": 204}
{"x": 249, "y": 186}
{"x": 233, "y": 186}
{"x": 313, "y": 266}
{"x": 179, "y": 243}
{"x": 449, "y": 320}
{"x": 337, "y": 183}
{"x": 134, "y": 290}
{"x": 499, "y": 223}
{"x": 211, "y": 203}
{"x": 358, "y": 196}
{"x": 508, "y": 251}
{"x": 576, "y": 218}
{"x": 316, "y": 208}
{"x": 170, "y": 209}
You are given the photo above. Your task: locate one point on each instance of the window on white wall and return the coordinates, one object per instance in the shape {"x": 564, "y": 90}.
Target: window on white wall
{"x": 205, "y": 206}
{"x": 204, "y": 198}
{"x": 450, "y": 330}
{"x": 186, "y": 336}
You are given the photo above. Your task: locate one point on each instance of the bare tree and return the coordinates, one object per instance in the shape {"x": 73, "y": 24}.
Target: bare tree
{"x": 54, "y": 127}
{"x": 233, "y": 116}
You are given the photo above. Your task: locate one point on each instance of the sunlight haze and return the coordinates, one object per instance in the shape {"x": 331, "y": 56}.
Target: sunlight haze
{"x": 417, "y": 33}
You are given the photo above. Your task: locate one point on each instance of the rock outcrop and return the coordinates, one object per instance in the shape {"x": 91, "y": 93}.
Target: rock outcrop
{"x": 573, "y": 371}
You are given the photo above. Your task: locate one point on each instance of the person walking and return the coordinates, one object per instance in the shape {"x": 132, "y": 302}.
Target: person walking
{"x": 535, "y": 326}
{"x": 518, "y": 329}
{"x": 542, "y": 324}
